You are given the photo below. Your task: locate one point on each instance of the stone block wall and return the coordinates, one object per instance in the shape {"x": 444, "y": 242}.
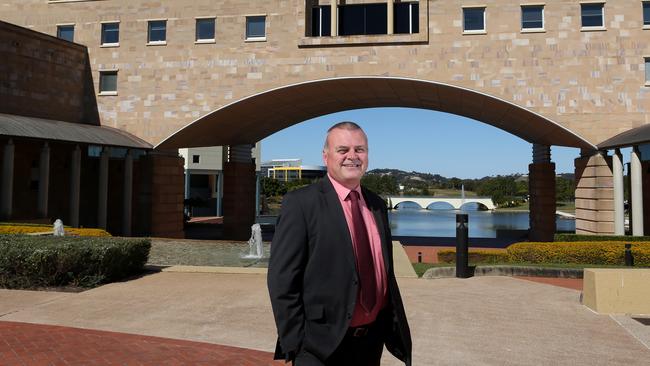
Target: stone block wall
{"x": 594, "y": 195}
{"x": 42, "y": 76}
{"x": 161, "y": 193}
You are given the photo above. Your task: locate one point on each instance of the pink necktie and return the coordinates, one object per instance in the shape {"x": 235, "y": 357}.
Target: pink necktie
{"x": 365, "y": 262}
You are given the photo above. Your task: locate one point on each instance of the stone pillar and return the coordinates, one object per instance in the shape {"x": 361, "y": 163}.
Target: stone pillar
{"x": 239, "y": 193}
{"x": 636, "y": 193}
{"x": 594, "y": 194}
{"x": 334, "y": 18}
{"x": 75, "y": 186}
{"x": 43, "y": 180}
{"x": 128, "y": 194}
{"x": 102, "y": 195}
{"x": 619, "y": 209}
{"x": 390, "y": 7}
{"x": 6, "y": 200}
{"x": 162, "y": 200}
{"x": 541, "y": 190}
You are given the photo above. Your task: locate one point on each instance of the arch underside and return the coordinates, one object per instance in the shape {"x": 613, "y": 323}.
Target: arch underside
{"x": 253, "y": 118}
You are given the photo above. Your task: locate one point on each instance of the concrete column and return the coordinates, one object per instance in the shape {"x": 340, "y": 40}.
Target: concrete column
{"x": 6, "y": 200}
{"x": 636, "y": 182}
{"x": 334, "y": 16}
{"x": 43, "y": 180}
{"x": 541, "y": 189}
{"x": 102, "y": 196}
{"x": 389, "y": 26}
{"x": 75, "y": 186}
{"x": 619, "y": 210}
{"x": 128, "y": 194}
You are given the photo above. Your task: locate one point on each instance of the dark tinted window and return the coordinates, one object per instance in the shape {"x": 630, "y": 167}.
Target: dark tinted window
{"x": 363, "y": 19}
{"x": 646, "y": 13}
{"x": 321, "y": 21}
{"x": 110, "y": 33}
{"x": 532, "y": 16}
{"x": 592, "y": 15}
{"x": 473, "y": 19}
{"x": 204, "y": 29}
{"x": 107, "y": 81}
{"x": 65, "y": 32}
{"x": 407, "y": 18}
{"x": 157, "y": 31}
{"x": 256, "y": 27}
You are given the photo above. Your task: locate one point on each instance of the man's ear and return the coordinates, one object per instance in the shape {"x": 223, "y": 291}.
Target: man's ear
{"x": 325, "y": 156}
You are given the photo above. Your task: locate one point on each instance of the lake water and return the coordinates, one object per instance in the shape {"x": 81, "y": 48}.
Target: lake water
{"x": 442, "y": 223}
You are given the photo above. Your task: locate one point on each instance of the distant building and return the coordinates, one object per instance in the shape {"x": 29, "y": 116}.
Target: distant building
{"x": 291, "y": 169}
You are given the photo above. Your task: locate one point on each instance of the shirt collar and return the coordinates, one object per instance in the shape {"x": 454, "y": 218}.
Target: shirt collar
{"x": 341, "y": 190}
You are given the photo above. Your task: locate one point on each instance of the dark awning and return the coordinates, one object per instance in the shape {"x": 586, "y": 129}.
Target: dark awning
{"x": 47, "y": 129}
{"x": 635, "y": 136}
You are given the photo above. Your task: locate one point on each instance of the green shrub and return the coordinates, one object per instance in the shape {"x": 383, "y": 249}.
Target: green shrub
{"x": 476, "y": 256}
{"x": 44, "y": 261}
{"x": 580, "y": 237}
{"x": 595, "y": 253}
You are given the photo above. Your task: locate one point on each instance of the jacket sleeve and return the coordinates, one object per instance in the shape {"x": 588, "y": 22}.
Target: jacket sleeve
{"x": 285, "y": 276}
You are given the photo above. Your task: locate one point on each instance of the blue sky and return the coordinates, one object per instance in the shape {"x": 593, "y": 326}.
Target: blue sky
{"x": 419, "y": 140}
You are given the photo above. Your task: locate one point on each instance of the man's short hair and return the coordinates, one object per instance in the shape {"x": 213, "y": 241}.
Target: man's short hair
{"x": 345, "y": 125}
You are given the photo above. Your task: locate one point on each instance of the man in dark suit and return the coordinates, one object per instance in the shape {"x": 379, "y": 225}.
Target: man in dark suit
{"x": 331, "y": 281}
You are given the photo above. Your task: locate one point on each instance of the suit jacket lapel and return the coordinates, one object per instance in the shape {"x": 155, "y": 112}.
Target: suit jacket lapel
{"x": 336, "y": 214}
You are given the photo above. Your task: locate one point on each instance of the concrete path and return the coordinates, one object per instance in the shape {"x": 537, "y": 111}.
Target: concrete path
{"x": 477, "y": 321}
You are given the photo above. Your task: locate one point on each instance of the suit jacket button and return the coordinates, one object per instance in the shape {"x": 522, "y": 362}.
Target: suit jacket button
{"x": 355, "y": 282}
{"x": 349, "y": 316}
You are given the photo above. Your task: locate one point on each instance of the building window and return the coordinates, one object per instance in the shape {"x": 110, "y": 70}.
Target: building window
{"x": 532, "y": 17}
{"x": 157, "y": 33}
{"x": 406, "y": 18}
{"x": 110, "y": 34}
{"x": 65, "y": 32}
{"x": 256, "y": 27}
{"x": 205, "y": 30}
{"x": 363, "y": 19}
{"x": 321, "y": 21}
{"x": 108, "y": 82}
{"x": 196, "y": 159}
{"x": 474, "y": 20}
{"x": 646, "y": 14}
{"x": 592, "y": 15}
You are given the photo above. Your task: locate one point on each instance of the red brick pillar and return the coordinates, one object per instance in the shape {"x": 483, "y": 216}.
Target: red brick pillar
{"x": 238, "y": 200}
{"x": 541, "y": 188}
{"x": 594, "y": 195}
{"x": 160, "y": 197}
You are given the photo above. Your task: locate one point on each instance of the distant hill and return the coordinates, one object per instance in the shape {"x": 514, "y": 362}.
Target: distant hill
{"x": 409, "y": 178}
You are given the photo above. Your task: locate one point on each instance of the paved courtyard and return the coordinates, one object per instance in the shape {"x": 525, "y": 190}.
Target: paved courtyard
{"x": 478, "y": 321}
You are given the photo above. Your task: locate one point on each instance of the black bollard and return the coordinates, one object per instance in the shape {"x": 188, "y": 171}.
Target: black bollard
{"x": 462, "y": 244}
{"x": 419, "y": 257}
{"x": 629, "y": 259}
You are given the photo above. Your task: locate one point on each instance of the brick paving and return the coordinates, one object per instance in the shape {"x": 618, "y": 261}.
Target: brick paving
{"x": 34, "y": 344}
{"x": 572, "y": 283}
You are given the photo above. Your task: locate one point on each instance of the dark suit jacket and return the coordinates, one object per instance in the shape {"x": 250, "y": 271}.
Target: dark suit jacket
{"x": 312, "y": 278}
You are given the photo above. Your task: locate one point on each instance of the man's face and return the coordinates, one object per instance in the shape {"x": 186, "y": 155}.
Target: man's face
{"x": 346, "y": 156}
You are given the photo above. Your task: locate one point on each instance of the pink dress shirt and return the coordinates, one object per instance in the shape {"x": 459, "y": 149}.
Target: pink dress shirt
{"x": 360, "y": 316}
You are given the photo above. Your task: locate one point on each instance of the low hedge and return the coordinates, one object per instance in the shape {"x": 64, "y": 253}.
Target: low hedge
{"x": 590, "y": 253}
{"x": 39, "y": 228}
{"x": 47, "y": 261}
{"x": 581, "y": 237}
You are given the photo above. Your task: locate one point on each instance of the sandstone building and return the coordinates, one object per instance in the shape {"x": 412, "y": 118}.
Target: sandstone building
{"x": 187, "y": 74}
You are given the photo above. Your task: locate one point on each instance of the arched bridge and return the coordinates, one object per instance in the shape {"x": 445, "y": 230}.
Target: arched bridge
{"x": 456, "y": 203}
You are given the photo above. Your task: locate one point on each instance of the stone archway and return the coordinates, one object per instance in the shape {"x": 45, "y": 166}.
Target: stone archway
{"x": 246, "y": 121}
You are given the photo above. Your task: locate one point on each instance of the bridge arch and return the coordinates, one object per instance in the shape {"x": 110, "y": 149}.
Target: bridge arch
{"x": 257, "y": 116}
{"x": 480, "y": 206}
{"x": 440, "y": 205}
{"x": 405, "y": 204}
